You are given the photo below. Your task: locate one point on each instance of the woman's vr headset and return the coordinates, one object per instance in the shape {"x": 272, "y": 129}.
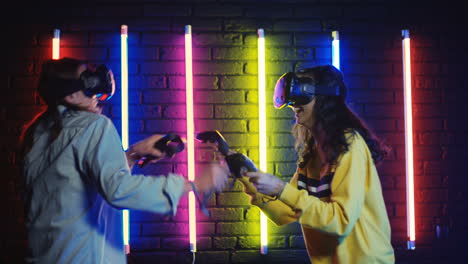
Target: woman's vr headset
{"x": 293, "y": 90}
{"x": 99, "y": 82}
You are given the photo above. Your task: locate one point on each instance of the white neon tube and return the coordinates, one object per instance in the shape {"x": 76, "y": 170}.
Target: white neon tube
{"x": 262, "y": 131}
{"x": 124, "y": 103}
{"x": 336, "y": 49}
{"x": 408, "y": 140}
{"x": 190, "y": 135}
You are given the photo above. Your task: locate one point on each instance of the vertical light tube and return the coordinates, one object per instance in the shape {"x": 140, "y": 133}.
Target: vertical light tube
{"x": 408, "y": 140}
{"x": 190, "y": 135}
{"x": 124, "y": 106}
{"x": 124, "y": 84}
{"x": 336, "y": 49}
{"x": 262, "y": 131}
{"x": 56, "y": 45}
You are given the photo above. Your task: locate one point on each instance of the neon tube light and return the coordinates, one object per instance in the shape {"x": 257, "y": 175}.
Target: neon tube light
{"x": 190, "y": 135}
{"x": 124, "y": 103}
{"x": 262, "y": 131}
{"x": 56, "y": 45}
{"x": 336, "y": 49}
{"x": 408, "y": 140}
{"x": 124, "y": 69}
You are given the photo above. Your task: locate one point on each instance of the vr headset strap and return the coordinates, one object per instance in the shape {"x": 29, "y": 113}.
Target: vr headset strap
{"x": 61, "y": 87}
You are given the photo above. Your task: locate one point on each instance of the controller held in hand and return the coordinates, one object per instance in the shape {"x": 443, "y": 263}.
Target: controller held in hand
{"x": 238, "y": 163}
{"x": 170, "y": 144}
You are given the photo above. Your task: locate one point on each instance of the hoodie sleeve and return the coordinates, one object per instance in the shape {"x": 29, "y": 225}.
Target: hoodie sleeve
{"x": 276, "y": 210}
{"x": 102, "y": 159}
{"x": 339, "y": 215}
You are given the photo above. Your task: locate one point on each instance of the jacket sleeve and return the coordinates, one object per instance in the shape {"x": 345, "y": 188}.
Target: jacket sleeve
{"x": 348, "y": 187}
{"x": 102, "y": 160}
{"x": 276, "y": 210}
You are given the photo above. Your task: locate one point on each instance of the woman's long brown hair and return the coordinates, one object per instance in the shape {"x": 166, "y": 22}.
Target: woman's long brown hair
{"x": 62, "y": 68}
{"x": 334, "y": 119}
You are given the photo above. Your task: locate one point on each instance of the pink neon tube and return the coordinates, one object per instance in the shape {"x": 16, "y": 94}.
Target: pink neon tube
{"x": 190, "y": 135}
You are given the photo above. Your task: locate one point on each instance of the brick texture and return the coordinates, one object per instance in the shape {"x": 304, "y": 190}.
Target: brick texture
{"x": 298, "y": 34}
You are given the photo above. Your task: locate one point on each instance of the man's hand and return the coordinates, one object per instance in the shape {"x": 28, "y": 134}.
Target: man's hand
{"x": 266, "y": 183}
{"x": 143, "y": 148}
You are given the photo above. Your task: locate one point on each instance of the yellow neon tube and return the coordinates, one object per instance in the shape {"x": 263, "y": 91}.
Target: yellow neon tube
{"x": 262, "y": 131}
{"x": 190, "y": 135}
{"x": 408, "y": 141}
{"x": 124, "y": 103}
{"x": 56, "y": 45}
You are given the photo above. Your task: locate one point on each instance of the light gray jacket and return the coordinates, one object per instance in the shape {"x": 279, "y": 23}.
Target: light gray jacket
{"x": 76, "y": 187}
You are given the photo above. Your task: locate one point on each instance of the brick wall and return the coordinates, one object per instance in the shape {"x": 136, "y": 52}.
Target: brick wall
{"x": 298, "y": 34}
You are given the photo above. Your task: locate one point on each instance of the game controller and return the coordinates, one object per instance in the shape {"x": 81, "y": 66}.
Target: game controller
{"x": 238, "y": 163}
{"x": 170, "y": 144}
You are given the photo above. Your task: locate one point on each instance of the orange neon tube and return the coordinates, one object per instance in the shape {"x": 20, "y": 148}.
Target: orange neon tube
{"x": 408, "y": 140}
{"x": 56, "y": 45}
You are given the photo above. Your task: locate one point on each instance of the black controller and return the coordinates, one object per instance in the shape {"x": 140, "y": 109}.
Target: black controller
{"x": 238, "y": 163}
{"x": 170, "y": 144}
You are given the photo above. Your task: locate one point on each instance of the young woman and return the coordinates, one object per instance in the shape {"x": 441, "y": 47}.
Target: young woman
{"x": 335, "y": 193}
{"x": 77, "y": 178}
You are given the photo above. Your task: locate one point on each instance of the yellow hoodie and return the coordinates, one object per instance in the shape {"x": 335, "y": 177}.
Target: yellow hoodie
{"x": 343, "y": 215}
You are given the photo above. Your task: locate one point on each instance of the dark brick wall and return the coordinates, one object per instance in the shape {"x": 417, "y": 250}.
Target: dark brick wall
{"x": 225, "y": 67}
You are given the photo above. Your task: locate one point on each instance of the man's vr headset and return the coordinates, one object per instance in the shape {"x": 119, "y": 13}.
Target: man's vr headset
{"x": 293, "y": 90}
{"x": 99, "y": 82}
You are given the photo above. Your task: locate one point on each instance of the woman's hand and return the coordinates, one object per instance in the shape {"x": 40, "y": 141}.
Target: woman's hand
{"x": 266, "y": 183}
{"x": 143, "y": 148}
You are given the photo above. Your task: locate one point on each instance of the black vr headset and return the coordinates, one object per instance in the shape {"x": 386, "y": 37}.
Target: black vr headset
{"x": 99, "y": 82}
{"x": 293, "y": 90}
